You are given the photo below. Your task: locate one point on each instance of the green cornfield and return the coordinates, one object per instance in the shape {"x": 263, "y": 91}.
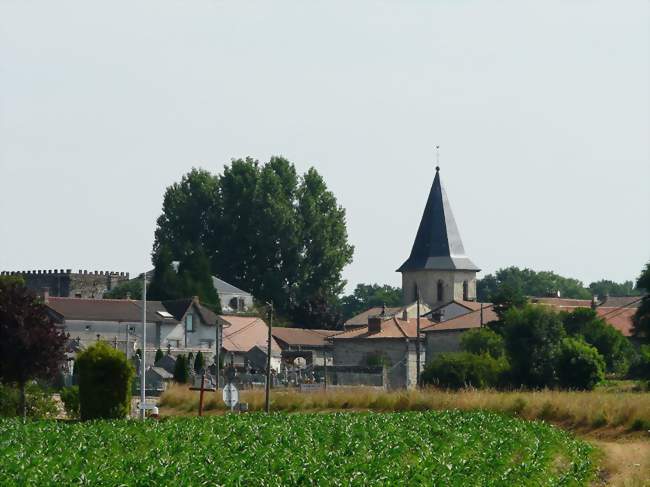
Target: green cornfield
{"x": 447, "y": 448}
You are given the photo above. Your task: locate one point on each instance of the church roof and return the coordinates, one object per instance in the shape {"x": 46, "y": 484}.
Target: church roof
{"x": 437, "y": 244}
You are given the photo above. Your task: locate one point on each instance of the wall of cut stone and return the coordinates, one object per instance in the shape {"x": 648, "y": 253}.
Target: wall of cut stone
{"x": 68, "y": 284}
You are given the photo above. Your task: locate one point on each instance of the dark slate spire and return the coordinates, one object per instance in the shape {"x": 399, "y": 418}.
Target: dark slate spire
{"x": 437, "y": 244}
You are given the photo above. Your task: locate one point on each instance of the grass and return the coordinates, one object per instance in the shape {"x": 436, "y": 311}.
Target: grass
{"x": 454, "y": 448}
{"x": 583, "y": 411}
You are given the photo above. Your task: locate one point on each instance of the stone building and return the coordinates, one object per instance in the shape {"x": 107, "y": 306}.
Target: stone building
{"x": 385, "y": 340}
{"x": 68, "y": 284}
{"x": 438, "y": 266}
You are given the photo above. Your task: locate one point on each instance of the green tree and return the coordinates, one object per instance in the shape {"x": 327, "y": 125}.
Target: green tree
{"x": 533, "y": 335}
{"x": 463, "y": 369}
{"x": 165, "y": 282}
{"x": 530, "y": 283}
{"x": 31, "y": 345}
{"x": 159, "y": 355}
{"x": 196, "y": 279}
{"x": 642, "y": 315}
{"x": 584, "y": 323}
{"x": 131, "y": 288}
{"x": 579, "y": 365}
{"x": 105, "y": 377}
{"x": 199, "y": 362}
{"x": 181, "y": 370}
{"x": 606, "y": 287}
{"x": 325, "y": 251}
{"x": 367, "y": 296}
{"x": 263, "y": 228}
{"x": 480, "y": 341}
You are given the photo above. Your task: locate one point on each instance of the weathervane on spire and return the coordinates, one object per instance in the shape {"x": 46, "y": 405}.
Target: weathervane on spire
{"x": 437, "y": 158}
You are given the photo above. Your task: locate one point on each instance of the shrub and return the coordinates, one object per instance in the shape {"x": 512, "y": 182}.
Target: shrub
{"x": 199, "y": 362}
{"x": 579, "y": 365}
{"x": 181, "y": 370}
{"x": 482, "y": 340}
{"x": 70, "y": 398}
{"x": 610, "y": 343}
{"x": 463, "y": 369}
{"x": 533, "y": 336}
{"x": 39, "y": 402}
{"x": 159, "y": 355}
{"x": 640, "y": 367}
{"x": 105, "y": 377}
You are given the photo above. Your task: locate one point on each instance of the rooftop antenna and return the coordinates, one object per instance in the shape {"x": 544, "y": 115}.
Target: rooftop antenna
{"x": 437, "y": 158}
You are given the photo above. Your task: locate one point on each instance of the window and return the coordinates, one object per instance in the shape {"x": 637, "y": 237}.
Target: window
{"x": 189, "y": 322}
{"x": 233, "y": 304}
{"x": 465, "y": 291}
{"x": 440, "y": 291}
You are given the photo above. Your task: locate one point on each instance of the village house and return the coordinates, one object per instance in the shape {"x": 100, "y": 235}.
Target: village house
{"x": 179, "y": 326}
{"x": 245, "y": 343}
{"x": 361, "y": 320}
{"x": 387, "y": 341}
{"x": 310, "y": 344}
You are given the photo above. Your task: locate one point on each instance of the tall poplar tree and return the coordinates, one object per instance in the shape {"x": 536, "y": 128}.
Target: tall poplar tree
{"x": 265, "y": 229}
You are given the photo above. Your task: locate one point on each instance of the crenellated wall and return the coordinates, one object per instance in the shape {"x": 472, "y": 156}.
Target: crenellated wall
{"x": 65, "y": 283}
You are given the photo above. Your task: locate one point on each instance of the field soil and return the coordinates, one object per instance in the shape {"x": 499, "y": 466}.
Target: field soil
{"x": 624, "y": 462}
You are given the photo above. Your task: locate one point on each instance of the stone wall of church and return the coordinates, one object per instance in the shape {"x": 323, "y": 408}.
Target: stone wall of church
{"x": 427, "y": 280}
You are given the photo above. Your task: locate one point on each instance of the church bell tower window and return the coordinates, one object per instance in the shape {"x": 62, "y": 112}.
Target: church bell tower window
{"x": 465, "y": 291}
{"x": 440, "y": 291}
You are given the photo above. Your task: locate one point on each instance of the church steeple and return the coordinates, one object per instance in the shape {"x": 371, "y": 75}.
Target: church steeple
{"x": 438, "y": 265}
{"x": 437, "y": 245}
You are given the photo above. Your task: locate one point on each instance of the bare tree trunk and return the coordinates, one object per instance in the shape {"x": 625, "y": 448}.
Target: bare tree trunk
{"x": 23, "y": 402}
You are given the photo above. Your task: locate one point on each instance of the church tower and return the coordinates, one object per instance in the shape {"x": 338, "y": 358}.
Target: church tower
{"x": 438, "y": 265}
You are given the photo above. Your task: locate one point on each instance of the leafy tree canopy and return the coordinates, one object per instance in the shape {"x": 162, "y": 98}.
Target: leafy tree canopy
{"x": 605, "y": 287}
{"x": 480, "y": 341}
{"x": 533, "y": 336}
{"x": 585, "y": 324}
{"x": 642, "y": 315}
{"x": 31, "y": 345}
{"x": 263, "y": 228}
{"x": 530, "y": 283}
{"x": 131, "y": 288}
{"x": 370, "y": 295}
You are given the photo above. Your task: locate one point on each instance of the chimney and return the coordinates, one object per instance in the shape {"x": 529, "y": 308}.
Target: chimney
{"x": 405, "y": 314}
{"x": 594, "y": 302}
{"x": 46, "y": 294}
{"x": 374, "y": 324}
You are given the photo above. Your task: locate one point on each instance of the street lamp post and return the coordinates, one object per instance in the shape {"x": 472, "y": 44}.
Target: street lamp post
{"x": 267, "y": 399}
{"x": 143, "y": 368}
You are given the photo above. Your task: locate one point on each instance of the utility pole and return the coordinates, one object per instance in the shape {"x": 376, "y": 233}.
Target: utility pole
{"x": 217, "y": 357}
{"x": 417, "y": 336}
{"x": 267, "y": 399}
{"x": 144, "y": 347}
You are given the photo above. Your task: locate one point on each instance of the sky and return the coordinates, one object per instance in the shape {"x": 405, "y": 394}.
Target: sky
{"x": 541, "y": 111}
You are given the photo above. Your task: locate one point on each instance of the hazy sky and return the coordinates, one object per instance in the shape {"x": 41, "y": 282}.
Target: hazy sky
{"x": 541, "y": 110}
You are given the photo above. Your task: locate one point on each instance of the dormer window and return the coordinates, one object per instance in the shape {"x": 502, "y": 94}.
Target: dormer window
{"x": 189, "y": 322}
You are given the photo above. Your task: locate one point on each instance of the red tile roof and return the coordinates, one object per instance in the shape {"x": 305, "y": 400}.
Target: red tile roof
{"x": 390, "y": 328}
{"x": 302, "y": 336}
{"x": 245, "y": 332}
{"x": 464, "y": 321}
{"x": 362, "y": 318}
{"x": 561, "y": 302}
